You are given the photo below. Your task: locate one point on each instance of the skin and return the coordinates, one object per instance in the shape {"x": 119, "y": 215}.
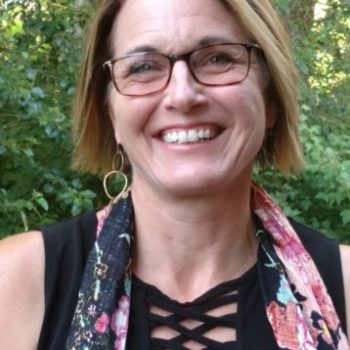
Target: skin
{"x": 179, "y": 189}
{"x": 21, "y": 291}
{"x": 239, "y": 109}
{"x": 201, "y": 235}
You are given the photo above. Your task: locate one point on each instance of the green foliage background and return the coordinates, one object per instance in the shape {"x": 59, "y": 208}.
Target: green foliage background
{"x": 40, "y": 48}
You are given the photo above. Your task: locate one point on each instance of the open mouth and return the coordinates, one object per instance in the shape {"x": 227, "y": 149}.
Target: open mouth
{"x": 193, "y": 135}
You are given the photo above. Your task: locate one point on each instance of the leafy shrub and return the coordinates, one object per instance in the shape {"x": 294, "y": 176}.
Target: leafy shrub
{"x": 40, "y": 49}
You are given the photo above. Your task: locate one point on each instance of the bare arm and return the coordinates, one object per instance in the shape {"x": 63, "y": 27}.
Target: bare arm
{"x": 21, "y": 291}
{"x": 345, "y": 260}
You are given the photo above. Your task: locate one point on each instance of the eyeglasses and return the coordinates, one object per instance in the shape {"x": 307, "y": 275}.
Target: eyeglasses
{"x": 148, "y": 73}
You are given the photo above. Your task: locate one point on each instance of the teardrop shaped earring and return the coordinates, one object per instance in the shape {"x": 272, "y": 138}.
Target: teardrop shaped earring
{"x": 118, "y": 165}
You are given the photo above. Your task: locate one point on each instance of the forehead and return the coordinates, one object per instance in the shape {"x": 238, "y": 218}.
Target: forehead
{"x": 172, "y": 25}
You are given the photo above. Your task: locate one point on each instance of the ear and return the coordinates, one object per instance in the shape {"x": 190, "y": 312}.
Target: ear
{"x": 271, "y": 114}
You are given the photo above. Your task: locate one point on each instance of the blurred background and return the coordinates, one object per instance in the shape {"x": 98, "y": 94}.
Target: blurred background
{"x": 41, "y": 44}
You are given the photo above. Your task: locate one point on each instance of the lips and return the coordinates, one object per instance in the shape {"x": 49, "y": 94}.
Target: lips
{"x": 192, "y": 135}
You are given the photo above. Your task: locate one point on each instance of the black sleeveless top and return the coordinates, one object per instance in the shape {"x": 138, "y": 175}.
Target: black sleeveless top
{"x": 232, "y": 306}
{"x": 67, "y": 246}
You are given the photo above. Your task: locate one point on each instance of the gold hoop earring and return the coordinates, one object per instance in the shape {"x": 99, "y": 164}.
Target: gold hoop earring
{"x": 118, "y": 171}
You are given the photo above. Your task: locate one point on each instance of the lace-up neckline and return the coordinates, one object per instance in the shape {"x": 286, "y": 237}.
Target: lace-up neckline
{"x": 208, "y": 322}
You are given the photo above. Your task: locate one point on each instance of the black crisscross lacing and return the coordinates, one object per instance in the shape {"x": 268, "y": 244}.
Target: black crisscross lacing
{"x": 207, "y": 323}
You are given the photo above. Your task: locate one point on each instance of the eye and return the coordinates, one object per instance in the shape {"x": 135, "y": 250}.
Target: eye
{"x": 145, "y": 65}
{"x": 219, "y": 58}
{"x": 141, "y": 68}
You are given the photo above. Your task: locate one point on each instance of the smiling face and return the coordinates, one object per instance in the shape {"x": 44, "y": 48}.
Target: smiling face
{"x": 189, "y": 138}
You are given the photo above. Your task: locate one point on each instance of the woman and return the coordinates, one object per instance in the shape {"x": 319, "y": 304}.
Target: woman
{"x": 192, "y": 255}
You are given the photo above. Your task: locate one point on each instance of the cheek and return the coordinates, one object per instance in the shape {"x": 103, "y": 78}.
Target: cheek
{"x": 247, "y": 105}
{"x": 130, "y": 116}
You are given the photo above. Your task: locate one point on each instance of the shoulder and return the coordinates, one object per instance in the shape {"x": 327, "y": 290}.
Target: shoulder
{"x": 309, "y": 235}
{"x": 36, "y": 270}
{"x": 322, "y": 248}
{"x": 325, "y": 253}
{"x": 328, "y": 257}
{"x": 20, "y": 254}
{"x": 70, "y": 237}
{"x": 67, "y": 245}
{"x": 345, "y": 260}
{"x": 83, "y": 224}
{"x": 22, "y": 261}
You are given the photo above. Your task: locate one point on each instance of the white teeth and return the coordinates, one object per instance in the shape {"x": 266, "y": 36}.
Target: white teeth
{"x": 192, "y": 136}
{"x": 174, "y": 136}
{"x": 167, "y": 138}
{"x": 189, "y": 136}
{"x": 201, "y": 133}
{"x": 182, "y": 137}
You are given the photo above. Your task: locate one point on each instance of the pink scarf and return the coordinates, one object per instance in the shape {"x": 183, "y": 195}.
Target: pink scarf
{"x": 312, "y": 323}
{"x": 299, "y": 309}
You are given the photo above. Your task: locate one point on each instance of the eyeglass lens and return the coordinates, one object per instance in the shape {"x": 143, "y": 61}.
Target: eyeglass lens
{"x": 146, "y": 73}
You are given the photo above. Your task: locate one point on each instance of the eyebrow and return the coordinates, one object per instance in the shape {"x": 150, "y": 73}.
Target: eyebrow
{"x": 141, "y": 49}
{"x": 207, "y": 40}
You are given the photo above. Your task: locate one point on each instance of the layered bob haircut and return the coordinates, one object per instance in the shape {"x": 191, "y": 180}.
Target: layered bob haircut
{"x": 93, "y": 133}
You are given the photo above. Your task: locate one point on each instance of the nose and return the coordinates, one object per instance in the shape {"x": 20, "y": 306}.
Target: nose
{"x": 183, "y": 93}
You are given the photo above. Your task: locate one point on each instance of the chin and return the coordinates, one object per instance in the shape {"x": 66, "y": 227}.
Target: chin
{"x": 192, "y": 186}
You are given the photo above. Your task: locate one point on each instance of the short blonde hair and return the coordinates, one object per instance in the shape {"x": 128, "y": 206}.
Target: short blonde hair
{"x": 263, "y": 25}
{"x": 95, "y": 143}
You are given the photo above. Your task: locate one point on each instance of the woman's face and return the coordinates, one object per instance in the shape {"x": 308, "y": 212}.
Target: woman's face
{"x": 236, "y": 116}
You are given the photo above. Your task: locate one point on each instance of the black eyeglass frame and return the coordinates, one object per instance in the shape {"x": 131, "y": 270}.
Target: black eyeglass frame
{"x": 172, "y": 58}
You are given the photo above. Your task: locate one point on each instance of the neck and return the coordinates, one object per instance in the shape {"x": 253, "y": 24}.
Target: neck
{"x": 195, "y": 242}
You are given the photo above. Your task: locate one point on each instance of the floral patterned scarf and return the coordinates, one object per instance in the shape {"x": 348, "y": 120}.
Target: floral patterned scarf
{"x": 300, "y": 311}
